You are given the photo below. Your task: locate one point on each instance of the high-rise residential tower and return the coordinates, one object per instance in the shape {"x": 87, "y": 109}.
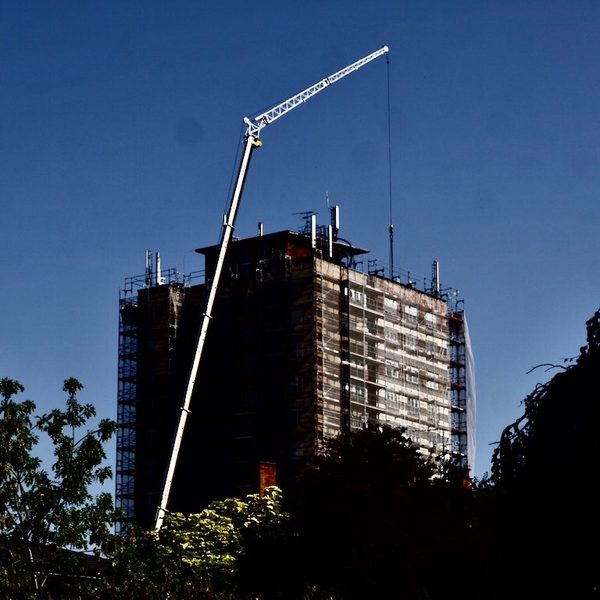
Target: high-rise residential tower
{"x": 305, "y": 342}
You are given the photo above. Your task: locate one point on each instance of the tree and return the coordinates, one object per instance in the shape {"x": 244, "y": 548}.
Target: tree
{"x": 46, "y": 515}
{"x": 378, "y": 518}
{"x": 220, "y": 552}
{"x": 543, "y": 471}
{"x": 375, "y": 518}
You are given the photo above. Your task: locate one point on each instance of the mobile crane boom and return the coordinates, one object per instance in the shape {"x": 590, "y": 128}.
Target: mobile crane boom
{"x": 266, "y": 118}
{"x": 251, "y": 141}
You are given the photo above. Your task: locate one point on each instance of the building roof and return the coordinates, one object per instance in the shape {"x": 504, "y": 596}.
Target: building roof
{"x": 292, "y": 243}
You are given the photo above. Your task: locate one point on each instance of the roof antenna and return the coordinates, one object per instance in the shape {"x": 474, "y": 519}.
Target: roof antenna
{"x": 391, "y": 230}
{"x": 160, "y": 280}
{"x": 335, "y": 220}
{"x": 149, "y": 276}
{"x": 435, "y": 279}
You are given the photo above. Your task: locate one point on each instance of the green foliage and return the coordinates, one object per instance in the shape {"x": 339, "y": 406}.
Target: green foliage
{"x": 43, "y": 512}
{"x": 375, "y": 518}
{"x": 199, "y": 555}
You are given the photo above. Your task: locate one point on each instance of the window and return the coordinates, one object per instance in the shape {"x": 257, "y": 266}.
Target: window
{"x": 392, "y": 369}
{"x": 413, "y": 405}
{"x": 374, "y": 302}
{"x": 356, "y": 347}
{"x": 392, "y": 400}
{"x": 358, "y": 391}
{"x": 357, "y": 323}
{"x": 431, "y": 319}
{"x": 412, "y": 375}
{"x": 391, "y": 336}
{"x": 410, "y": 342}
{"x": 390, "y": 304}
{"x": 410, "y": 314}
{"x": 357, "y": 422}
{"x": 357, "y": 297}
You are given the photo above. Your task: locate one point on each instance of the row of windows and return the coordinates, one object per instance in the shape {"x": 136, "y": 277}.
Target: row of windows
{"x": 425, "y": 437}
{"x": 393, "y": 370}
{"x": 409, "y": 405}
{"x": 358, "y": 391}
{"x": 409, "y": 312}
{"x": 378, "y": 350}
{"x": 396, "y": 399}
{"x": 396, "y": 337}
{"x": 298, "y": 383}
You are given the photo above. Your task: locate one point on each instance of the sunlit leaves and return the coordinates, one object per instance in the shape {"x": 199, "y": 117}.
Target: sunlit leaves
{"x": 197, "y": 555}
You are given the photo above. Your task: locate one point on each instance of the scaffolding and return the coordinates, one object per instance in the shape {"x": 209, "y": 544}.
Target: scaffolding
{"x": 134, "y": 294}
{"x": 305, "y": 345}
{"x": 332, "y": 412}
{"x": 381, "y": 351}
{"x": 462, "y": 388}
{"x": 126, "y": 409}
{"x": 398, "y": 359}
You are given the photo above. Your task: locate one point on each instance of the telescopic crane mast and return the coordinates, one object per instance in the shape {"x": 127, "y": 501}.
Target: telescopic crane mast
{"x": 251, "y": 141}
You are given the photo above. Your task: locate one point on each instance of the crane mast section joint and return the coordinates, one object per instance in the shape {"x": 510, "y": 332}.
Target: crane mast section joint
{"x": 255, "y": 125}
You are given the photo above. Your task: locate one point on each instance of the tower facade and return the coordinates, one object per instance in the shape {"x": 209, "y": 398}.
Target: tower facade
{"x": 302, "y": 345}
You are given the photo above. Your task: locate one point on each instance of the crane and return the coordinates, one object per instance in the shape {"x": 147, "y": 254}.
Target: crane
{"x": 251, "y": 141}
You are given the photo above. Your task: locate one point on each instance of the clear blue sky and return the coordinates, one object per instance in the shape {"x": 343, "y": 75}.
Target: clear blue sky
{"x": 119, "y": 125}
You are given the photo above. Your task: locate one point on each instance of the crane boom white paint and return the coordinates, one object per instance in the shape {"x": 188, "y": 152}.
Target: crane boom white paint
{"x": 251, "y": 141}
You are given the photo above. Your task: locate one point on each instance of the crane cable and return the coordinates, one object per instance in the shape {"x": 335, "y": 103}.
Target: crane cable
{"x": 389, "y": 119}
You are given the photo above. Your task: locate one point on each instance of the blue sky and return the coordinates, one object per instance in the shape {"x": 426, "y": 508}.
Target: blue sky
{"x": 120, "y": 123}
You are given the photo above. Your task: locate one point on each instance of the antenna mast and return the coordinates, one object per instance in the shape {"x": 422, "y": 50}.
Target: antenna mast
{"x": 389, "y": 112}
